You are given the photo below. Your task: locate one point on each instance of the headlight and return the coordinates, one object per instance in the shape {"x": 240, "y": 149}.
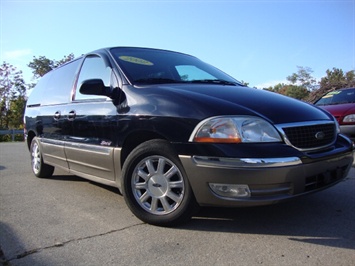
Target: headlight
{"x": 235, "y": 129}
{"x": 349, "y": 118}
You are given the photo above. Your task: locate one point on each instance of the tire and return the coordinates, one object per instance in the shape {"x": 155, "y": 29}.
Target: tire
{"x": 39, "y": 168}
{"x": 155, "y": 186}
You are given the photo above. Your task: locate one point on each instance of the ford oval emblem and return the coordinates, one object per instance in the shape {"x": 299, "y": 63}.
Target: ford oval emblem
{"x": 320, "y": 135}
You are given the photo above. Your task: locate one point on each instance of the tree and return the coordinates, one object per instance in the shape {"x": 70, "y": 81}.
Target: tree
{"x": 336, "y": 79}
{"x": 290, "y": 90}
{"x": 16, "y": 110}
{"x": 297, "y": 92}
{"x": 42, "y": 65}
{"x": 276, "y": 88}
{"x": 66, "y": 58}
{"x": 302, "y": 83}
{"x": 303, "y": 78}
{"x": 244, "y": 83}
{"x": 13, "y": 97}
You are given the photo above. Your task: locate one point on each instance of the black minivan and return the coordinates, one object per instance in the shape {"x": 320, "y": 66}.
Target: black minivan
{"x": 174, "y": 133}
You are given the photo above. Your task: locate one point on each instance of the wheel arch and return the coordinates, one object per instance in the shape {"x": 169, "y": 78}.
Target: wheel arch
{"x": 30, "y": 135}
{"x": 134, "y": 140}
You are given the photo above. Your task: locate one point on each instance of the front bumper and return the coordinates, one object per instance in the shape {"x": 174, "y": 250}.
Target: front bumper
{"x": 270, "y": 180}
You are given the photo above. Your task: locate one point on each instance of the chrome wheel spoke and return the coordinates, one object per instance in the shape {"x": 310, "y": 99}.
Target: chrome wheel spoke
{"x": 142, "y": 174}
{"x": 176, "y": 184}
{"x": 161, "y": 165}
{"x": 150, "y": 167}
{"x": 144, "y": 198}
{"x": 171, "y": 172}
{"x": 36, "y": 158}
{"x": 154, "y": 205}
{"x": 176, "y": 198}
{"x": 139, "y": 186}
{"x": 166, "y": 205}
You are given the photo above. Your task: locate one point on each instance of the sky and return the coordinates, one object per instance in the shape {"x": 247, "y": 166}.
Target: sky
{"x": 257, "y": 41}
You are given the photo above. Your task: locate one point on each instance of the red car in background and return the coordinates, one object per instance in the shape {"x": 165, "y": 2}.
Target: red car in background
{"x": 341, "y": 104}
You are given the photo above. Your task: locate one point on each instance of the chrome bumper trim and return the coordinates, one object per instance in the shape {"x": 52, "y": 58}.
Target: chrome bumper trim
{"x": 221, "y": 162}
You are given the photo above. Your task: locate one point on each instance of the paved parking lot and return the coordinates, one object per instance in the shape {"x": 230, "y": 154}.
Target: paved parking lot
{"x": 67, "y": 220}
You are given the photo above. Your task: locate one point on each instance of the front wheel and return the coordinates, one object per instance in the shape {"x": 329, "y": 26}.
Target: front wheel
{"x": 39, "y": 168}
{"x": 155, "y": 186}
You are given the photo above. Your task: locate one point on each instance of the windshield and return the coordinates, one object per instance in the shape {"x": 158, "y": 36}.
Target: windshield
{"x": 150, "y": 66}
{"x": 338, "y": 97}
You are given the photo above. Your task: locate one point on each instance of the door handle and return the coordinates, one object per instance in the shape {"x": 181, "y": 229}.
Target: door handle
{"x": 57, "y": 115}
{"x": 71, "y": 115}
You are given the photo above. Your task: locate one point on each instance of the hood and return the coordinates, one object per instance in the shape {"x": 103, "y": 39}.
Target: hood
{"x": 213, "y": 100}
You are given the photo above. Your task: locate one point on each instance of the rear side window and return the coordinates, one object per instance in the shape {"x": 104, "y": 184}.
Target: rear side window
{"x": 37, "y": 93}
{"x": 55, "y": 87}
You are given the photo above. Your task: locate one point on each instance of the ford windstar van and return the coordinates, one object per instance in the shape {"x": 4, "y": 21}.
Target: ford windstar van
{"x": 173, "y": 133}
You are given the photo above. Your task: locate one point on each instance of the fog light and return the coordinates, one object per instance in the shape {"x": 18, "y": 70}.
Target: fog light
{"x": 230, "y": 190}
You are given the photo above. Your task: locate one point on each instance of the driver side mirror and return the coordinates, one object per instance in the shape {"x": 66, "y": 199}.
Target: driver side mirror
{"x": 95, "y": 87}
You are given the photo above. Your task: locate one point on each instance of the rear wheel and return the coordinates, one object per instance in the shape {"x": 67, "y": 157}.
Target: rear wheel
{"x": 39, "y": 168}
{"x": 155, "y": 185}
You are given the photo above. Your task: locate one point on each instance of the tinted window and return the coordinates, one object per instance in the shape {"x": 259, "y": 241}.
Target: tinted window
{"x": 38, "y": 91}
{"x": 61, "y": 83}
{"x": 56, "y": 86}
{"x": 93, "y": 68}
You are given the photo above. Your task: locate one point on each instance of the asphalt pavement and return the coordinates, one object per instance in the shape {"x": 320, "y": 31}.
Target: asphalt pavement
{"x": 66, "y": 220}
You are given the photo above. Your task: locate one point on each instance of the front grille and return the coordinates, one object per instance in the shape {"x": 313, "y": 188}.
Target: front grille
{"x": 311, "y": 136}
{"x": 311, "y": 183}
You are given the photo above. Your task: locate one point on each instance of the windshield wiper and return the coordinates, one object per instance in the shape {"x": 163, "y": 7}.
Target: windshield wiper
{"x": 156, "y": 80}
{"x": 167, "y": 80}
{"x": 214, "y": 81}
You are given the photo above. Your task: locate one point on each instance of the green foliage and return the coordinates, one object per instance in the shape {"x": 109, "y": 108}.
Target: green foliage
{"x": 65, "y": 59}
{"x": 13, "y": 97}
{"x": 301, "y": 83}
{"x": 8, "y": 137}
{"x": 15, "y": 112}
{"x": 290, "y": 90}
{"x": 244, "y": 83}
{"x": 303, "y": 78}
{"x": 297, "y": 92}
{"x": 42, "y": 65}
{"x": 336, "y": 79}
{"x": 276, "y": 88}
{"x": 5, "y": 138}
